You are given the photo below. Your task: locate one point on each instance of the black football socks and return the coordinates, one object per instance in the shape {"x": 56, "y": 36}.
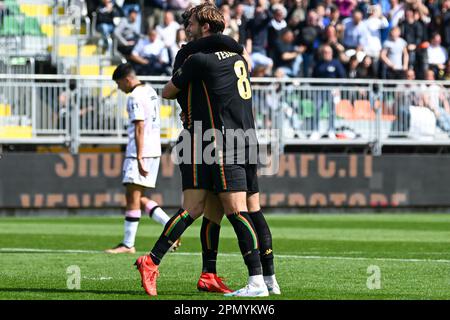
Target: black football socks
{"x": 248, "y": 241}
{"x": 173, "y": 229}
{"x": 209, "y": 236}
{"x": 265, "y": 242}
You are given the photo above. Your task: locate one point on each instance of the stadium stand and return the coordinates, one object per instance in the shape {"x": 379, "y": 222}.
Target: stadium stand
{"x": 80, "y": 104}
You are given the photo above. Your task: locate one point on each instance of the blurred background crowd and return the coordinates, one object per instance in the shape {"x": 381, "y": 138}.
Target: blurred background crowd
{"x": 386, "y": 39}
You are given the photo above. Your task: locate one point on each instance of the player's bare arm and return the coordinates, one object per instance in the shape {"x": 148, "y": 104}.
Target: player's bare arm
{"x": 170, "y": 91}
{"x": 139, "y": 138}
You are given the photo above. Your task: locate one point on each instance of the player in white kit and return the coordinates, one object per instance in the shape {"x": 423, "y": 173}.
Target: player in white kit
{"x": 143, "y": 152}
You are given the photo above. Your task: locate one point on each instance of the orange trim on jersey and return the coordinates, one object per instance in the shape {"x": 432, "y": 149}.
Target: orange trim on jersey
{"x": 222, "y": 173}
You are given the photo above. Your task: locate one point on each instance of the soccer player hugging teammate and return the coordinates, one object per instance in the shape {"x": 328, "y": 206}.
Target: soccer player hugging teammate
{"x": 143, "y": 152}
{"x": 218, "y": 95}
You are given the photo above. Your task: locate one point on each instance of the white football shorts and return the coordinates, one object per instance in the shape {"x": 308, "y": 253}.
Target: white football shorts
{"x": 130, "y": 172}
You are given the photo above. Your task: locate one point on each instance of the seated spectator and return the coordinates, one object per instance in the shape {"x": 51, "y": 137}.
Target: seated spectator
{"x": 434, "y": 97}
{"x": 126, "y": 34}
{"x": 445, "y": 24}
{"x": 106, "y": 14}
{"x": 366, "y": 69}
{"x": 308, "y": 38}
{"x": 447, "y": 71}
{"x": 396, "y": 13}
{"x": 257, "y": 34}
{"x": 288, "y": 56}
{"x": 180, "y": 40}
{"x": 323, "y": 20}
{"x": 355, "y": 31}
{"x": 335, "y": 17}
{"x": 352, "y": 67}
{"x": 150, "y": 56}
{"x": 277, "y": 24}
{"x": 437, "y": 55}
{"x": 375, "y": 22}
{"x": 407, "y": 95}
{"x": 168, "y": 29}
{"x": 414, "y": 32}
{"x": 394, "y": 56}
{"x": 327, "y": 68}
{"x": 239, "y": 21}
{"x": 296, "y": 13}
{"x": 331, "y": 39}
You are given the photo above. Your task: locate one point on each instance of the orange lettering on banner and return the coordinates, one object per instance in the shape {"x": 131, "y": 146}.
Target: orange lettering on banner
{"x": 276, "y": 199}
{"x": 317, "y": 199}
{"x": 66, "y": 169}
{"x": 38, "y": 200}
{"x": 25, "y": 200}
{"x": 353, "y": 166}
{"x": 263, "y": 199}
{"x": 296, "y": 199}
{"x": 101, "y": 199}
{"x": 92, "y": 161}
{"x": 368, "y": 165}
{"x": 86, "y": 200}
{"x": 357, "y": 199}
{"x": 398, "y": 198}
{"x": 323, "y": 170}
{"x": 158, "y": 198}
{"x": 338, "y": 199}
{"x": 304, "y": 164}
{"x": 287, "y": 164}
{"x": 53, "y": 199}
{"x": 378, "y": 199}
{"x": 120, "y": 199}
{"x": 72, "y": 201}
{"x": 112, "y": 168}
{"x": 167, "y": 166}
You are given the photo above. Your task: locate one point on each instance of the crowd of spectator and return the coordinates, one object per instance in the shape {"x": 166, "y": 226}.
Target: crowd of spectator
{"x": 299, "y": 38}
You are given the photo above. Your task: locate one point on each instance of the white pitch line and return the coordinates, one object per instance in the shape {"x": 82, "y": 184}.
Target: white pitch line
{"x": 281, "y": 256}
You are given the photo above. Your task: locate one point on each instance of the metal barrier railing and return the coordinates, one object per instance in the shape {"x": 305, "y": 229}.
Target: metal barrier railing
{"x": 77, "y": 110}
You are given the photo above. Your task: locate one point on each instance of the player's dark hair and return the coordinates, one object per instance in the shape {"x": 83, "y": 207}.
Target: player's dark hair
{"x": 123, "y": 70}
{"x": 210, "y": 14}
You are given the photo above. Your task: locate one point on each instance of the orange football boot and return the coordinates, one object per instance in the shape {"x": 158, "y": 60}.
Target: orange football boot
{"x": 149, "y": 272}
{"x": 210, "y": 282}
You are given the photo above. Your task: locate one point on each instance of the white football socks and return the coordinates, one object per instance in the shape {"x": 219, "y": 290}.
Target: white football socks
{"x": 256, "y": 281}
{"x": 130, "y": 233}
{"x": 158, "y": 214}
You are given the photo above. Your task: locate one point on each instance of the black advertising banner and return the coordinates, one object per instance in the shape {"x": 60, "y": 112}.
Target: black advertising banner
{"x": 30, "y": 180}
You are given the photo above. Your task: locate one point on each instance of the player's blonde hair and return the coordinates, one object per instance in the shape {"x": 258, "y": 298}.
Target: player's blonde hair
{"x": 208, "y": 13}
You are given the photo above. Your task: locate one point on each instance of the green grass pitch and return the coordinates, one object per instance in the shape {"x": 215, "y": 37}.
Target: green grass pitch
{"x": 317, "y": 257}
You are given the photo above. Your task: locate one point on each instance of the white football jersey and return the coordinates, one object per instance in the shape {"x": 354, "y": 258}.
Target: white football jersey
{"x": 143, "y": 104}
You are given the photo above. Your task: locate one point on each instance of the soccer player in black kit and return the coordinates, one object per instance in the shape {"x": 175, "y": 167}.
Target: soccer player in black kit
{"x": 226, "y": 94}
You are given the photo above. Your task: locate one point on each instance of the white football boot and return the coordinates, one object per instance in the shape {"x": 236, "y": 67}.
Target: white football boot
{"x": 272, "y": 285}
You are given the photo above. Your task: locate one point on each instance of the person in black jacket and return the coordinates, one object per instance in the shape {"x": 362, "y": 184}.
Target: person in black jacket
{"x": 106, "y": 13}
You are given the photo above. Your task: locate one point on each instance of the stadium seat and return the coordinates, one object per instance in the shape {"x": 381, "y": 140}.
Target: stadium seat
{"x": 108, "y": 70}
{"x": 108, "y": 90}
{"x": 36, "y": 10}
{"x": 307, "y": 108}
{"x": 11, "y": 26}
{"x": 344, "y": 109}
{"x": 31, "y": 27}
{"x": 363, "y": 110}
{"x": 325, "y": 111}
{"x": 12, "y": 6}
{"x": 5, "y": 110}
{"x": 166, "y": 111}
{"x": 16, "y": 132}
{"x": 63, "y": 30}
{"x": 70, "y": 50}
{"x": 90, "y": 70}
